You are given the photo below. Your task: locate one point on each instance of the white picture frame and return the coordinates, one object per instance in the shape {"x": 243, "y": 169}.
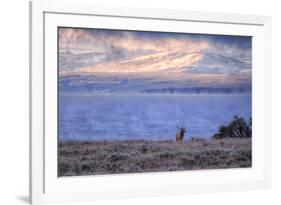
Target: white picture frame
{"x": 46, "y": 187}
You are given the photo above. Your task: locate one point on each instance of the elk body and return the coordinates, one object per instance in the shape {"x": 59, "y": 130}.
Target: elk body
{"x": 180, "y": 134}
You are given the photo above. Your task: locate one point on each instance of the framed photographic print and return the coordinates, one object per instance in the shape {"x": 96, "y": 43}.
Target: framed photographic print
{"x": 131, "y": 103}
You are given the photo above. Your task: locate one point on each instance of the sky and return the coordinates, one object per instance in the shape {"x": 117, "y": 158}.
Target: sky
{"x": 116, "y": 60}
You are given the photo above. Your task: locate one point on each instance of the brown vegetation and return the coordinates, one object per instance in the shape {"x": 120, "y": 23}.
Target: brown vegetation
{"x": 115, "y": 157}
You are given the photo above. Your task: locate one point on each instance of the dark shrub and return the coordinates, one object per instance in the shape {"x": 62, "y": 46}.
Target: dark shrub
{"x": 239, "y": 127}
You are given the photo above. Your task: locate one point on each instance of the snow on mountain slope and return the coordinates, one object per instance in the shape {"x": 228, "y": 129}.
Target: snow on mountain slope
{"x": 159, "y": 70}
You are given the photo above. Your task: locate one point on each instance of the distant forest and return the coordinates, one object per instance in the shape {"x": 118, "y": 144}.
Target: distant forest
{"x": 198, "y": 90}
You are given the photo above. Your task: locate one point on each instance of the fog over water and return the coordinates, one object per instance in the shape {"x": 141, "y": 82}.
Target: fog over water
{"x": 147, "y": 116}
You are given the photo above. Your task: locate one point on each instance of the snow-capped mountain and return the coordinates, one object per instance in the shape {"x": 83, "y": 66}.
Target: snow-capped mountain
{"x": 93, "y": 72}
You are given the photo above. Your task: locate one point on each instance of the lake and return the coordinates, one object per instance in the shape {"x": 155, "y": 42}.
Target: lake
{"x": 147, "y": 116}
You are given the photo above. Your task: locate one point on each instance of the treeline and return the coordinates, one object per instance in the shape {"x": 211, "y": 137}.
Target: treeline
{"x": 237, "y": 128}
{"x": 198, "y": 90}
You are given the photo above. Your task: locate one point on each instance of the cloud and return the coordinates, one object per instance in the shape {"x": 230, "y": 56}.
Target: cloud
{"x": 77, "y": 41}
{"x": 191, "y": 56}
{"x": 123, "y": 44}
{"x": 133, "y": 43}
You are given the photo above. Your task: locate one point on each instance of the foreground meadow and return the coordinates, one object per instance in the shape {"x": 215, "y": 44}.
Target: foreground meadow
{"x": 116, "y": 157}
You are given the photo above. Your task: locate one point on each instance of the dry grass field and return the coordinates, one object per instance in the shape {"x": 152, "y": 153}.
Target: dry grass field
{"x": 116, "y": 157}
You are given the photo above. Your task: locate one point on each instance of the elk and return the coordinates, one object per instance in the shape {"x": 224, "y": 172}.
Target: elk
{"x": 180, "y": 134}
